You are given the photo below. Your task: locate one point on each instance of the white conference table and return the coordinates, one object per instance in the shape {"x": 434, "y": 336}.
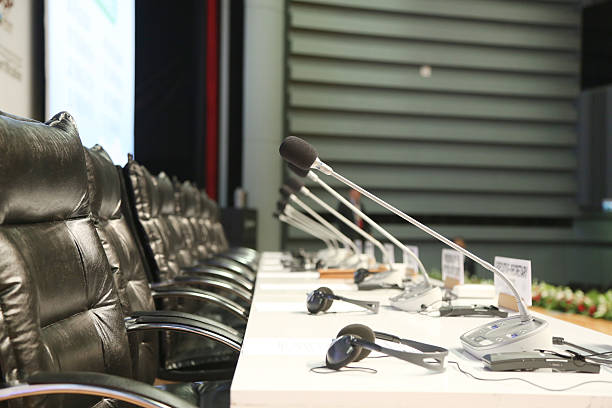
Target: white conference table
{"x": 283, "y": 342}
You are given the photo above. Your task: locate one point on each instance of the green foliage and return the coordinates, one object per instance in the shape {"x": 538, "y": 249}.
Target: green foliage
{"x": 564, "y": 299}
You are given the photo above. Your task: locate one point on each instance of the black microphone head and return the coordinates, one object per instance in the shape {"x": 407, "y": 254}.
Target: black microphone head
{"x": 297, "y": 171}
{"x": 298, "y": 152}
{"x": 280, "y": 205}
{"x": 285, "y": 191}
{"x": 294, "y": 184}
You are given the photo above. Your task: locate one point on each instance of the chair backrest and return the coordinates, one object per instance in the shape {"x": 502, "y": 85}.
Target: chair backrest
{"x": 59, "y": 309}
{"x": 157, "y": 207}
{"x": 124, "y": 253}
{"x": 188, "y": 208}
{"x": 144, "y": 199}
{"x": 213, "y": 222}
{"x": 177, "y": 242}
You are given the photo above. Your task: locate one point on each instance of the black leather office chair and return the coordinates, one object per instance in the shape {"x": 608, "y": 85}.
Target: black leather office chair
{"x": 196, "y": 358}
{"x": 165, "y": 247}
{"x": 170, "y": 222}
{"x": 212, "y": 229}
{"x": 204, "y": 243}
{"x": 63, "y": 335}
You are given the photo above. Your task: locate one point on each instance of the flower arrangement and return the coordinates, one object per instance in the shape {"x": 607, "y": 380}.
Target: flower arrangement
{"x": 562, "y": 298}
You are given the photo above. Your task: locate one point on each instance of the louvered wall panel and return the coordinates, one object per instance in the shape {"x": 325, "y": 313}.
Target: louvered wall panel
{"x": 491, "y": 132}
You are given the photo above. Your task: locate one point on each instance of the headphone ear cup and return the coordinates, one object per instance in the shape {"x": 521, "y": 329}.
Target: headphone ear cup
{"x": 326, "y": 302}
{"x": 342, "y": 352}
{"x": 360, "y": 274}
{"x": 361, "y": 331}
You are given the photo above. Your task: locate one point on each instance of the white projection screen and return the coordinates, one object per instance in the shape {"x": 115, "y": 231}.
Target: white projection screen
{"x": 89, "y": 52}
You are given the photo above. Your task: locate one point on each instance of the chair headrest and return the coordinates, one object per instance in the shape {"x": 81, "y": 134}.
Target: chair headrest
{"x": 104, "y": 184}
{"x": 42, "y": 170}
{"x": 205, "y": 209}
{"x": 166, "y": 194}
{"x": 190, "y": 198}
{"x": 146, "y": 194}
{"x": 212, "y": 209}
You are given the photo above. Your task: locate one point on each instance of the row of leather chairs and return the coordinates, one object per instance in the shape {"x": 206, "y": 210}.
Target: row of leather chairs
{"x": 111, "y": 277}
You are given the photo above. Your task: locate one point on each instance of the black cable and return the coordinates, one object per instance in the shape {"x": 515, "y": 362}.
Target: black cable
{"x": 426, "y": 311}
{"x": 429, "y": 313}
{"x": 527, "y": 381}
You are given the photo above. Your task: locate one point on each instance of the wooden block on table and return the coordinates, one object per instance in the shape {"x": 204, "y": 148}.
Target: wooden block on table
{"x": 451, "y": 282}
{"x": 507, "y": 301}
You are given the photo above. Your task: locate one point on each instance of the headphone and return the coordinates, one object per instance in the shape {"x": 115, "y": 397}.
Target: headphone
{"x": 356, "y": 341}
{"x": 320, "y": 300}
{"x": 360, "y": 274}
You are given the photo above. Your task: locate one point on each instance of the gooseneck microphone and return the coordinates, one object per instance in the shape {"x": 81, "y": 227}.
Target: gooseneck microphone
{"x": 288, "y": 193}
{"x": 283, "y": 218}
{"x": 367, "y": 219}
{"x": 338, "y": 257}
{"x": 303, "y": 155}
{"x": 414, "y": 296}
{"x": 299, "y": 187}
{"x": 298, "y": 152}
{"x": 311, "y": 225}
{"x": 510, "y": 334}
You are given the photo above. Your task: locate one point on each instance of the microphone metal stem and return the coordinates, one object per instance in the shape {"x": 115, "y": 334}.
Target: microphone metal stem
{"x": 380, "y": 229}
{"x": 297, "y": 225}
{"x": 343, "y": 238}
{"x": 311, "y": 224}
{"x": 525, "y": 316}
{"x": 385, "y": 255}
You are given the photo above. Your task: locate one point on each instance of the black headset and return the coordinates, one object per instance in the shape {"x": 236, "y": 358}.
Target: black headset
{"x": 320, "y": 300}
{"x": 356, "y": 341}
{"x": 360, "y": 274}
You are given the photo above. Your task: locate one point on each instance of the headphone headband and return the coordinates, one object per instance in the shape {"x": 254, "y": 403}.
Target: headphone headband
{"x": 424, "y": 347}
{"x": 355, "y": 342}
{"x": 320, "y": 300}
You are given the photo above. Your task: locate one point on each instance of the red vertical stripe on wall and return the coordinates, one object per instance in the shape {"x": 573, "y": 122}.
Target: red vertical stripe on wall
{"x": 212, "y": 107}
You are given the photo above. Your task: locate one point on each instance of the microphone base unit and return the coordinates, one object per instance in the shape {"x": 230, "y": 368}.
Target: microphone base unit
{"x": 416, "y": 298}
{"x": 355, "y": 262}
{"x": 383, "y": 280}
{"x": 507, "y": 335}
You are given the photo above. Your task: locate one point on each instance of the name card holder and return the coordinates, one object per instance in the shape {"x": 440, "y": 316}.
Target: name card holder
{"x": 452, "y": 268}
{"x": 519, "y": 273}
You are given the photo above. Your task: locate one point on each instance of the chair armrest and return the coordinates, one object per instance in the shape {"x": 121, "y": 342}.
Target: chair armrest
{"x": 216, "y": 272}
{"x": 202, "y": 296}
{"x": 220, "y": 284}
{"x": 250, "y": 252}
{"x": 165, "y": 320}
{"x": 240, "y": 259}
{"x": 99, "y": 384}
{"x": 196, "y": 319}
{"x": 229, "y": 264}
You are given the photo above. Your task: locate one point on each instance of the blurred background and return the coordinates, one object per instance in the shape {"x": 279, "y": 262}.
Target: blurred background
{"x": 485, "y": 119}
